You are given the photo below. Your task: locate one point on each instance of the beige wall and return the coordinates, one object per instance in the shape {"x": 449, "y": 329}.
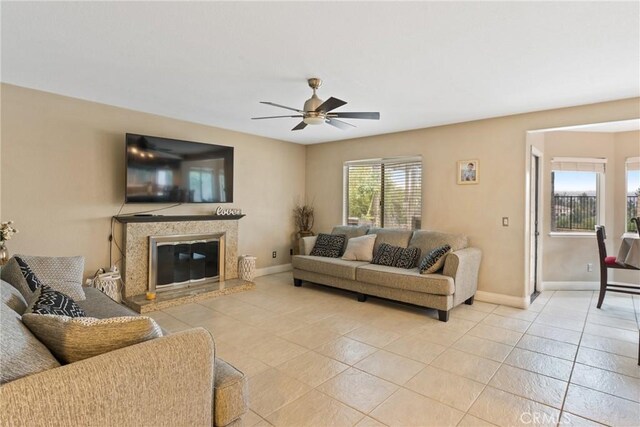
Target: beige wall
{"x": 63, "y": 174}
{"x": 476, "y": 210}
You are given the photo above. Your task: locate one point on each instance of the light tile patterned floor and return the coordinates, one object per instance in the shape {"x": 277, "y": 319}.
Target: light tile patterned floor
{"x": 317, "y": 357}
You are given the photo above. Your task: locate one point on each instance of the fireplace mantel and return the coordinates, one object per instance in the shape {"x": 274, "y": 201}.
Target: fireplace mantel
{"x": 124, "y": 219}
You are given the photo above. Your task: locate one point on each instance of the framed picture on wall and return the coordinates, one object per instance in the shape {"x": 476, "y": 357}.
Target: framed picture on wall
{"x": 468, "y": 172}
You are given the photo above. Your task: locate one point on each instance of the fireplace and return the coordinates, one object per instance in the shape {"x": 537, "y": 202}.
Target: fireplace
{"x": 180, "y": 261}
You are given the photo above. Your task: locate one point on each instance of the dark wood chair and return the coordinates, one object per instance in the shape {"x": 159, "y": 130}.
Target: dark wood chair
{"x": 607, "y": 262}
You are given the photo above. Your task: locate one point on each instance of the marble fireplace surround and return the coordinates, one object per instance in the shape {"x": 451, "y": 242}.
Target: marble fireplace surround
{"x": 135, "y": 237}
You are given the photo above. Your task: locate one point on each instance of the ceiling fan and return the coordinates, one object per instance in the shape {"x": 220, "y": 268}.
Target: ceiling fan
{"x": 316, "y": 111}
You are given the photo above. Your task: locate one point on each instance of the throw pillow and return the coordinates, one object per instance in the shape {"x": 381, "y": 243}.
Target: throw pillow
{"x": 19, "y": 275}
{"x": 307, "y": 244}
{"x": 329, "y": 245}
{"x": 63, "y": 274}
{"x": 408, "y": 258}
{"x": 12, "y": 298}
{"x": 387, "y": 255}
{"x": 360, "y": 248}
{"x": 71, "y": 339}
{"x": 49, "y": 301}
{"x": 434, "y": 260}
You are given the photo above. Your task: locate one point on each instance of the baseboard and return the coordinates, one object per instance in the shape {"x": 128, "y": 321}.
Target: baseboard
{"x": 511, "y": 301}
{"x": 273, "y": 269}
{"x": 570, "y": 286}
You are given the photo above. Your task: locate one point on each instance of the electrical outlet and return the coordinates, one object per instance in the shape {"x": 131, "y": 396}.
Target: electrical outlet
{"x": 274, "y": 254}
{"x": 589, "y": 267}
{"x": 505, "y": 221}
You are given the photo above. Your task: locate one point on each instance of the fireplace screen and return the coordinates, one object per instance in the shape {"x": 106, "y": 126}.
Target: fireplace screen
{"x": 180, "y": 261}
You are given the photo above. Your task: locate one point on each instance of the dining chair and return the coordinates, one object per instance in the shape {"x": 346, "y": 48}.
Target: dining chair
{"x": 609, "y": 262}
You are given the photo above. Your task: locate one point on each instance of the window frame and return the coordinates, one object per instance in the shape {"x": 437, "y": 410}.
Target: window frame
{"x": 381, "y": 162}
{"x": 600, "y": 193}
{"x": 628, "y": 161}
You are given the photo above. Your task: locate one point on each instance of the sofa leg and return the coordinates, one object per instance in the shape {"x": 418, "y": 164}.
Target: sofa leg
{"x": 297, "y": 282}
{"x": 443, "y": 315}
{"x": 362, "y": 297}
{"x": 469, "y": 301}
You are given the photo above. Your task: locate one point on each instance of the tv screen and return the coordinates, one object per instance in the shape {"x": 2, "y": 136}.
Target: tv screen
{"x": 161, "y": 170}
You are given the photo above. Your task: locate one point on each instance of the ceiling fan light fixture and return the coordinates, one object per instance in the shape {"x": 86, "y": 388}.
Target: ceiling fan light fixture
{"x": 314, "y": 120}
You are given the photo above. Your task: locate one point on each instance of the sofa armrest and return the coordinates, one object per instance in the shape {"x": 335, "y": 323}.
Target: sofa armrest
{"x": 306, "y": 244}
{"x": 463, "y": 266}
{"x": 161, "y": 382}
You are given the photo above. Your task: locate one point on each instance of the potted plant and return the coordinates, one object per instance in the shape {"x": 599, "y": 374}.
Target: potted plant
{"x": 303, "y": 217}
{"x": 6, "y": 231}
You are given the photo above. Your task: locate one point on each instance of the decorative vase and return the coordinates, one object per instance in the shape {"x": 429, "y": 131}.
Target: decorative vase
{"x": 4, "y": 254}
{"x": 247, "y": 267}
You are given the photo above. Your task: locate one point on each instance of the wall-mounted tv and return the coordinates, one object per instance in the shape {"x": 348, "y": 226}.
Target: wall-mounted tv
{"x": 162, "y": 170}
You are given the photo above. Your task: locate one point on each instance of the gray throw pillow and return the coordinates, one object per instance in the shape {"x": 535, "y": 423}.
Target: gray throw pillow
{"x": 12, "y": 298}
{"x": 64, "y": 274}
{"x": 72, "y": 339}
{"x": 434, "y": 260}
{"x": 21, "y": 353}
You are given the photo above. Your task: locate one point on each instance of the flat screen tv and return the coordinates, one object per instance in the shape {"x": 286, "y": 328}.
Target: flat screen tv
{"x": 162, "y": 170}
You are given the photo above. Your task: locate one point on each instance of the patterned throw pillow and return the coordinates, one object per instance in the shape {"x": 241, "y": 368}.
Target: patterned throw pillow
{"x": 434, "y": 260}
{"x": 33, "y": 283}
{"x": 63, "y": 274}
{"x": 408, "y": 258}
{"x": 49, "y": 301}
{"x": 387, "y": 255}
{"x": 72, "y": 339}
{"x": 329, "y": 245}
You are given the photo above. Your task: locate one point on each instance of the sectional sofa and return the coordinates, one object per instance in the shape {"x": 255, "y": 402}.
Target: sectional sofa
{"x": 454, "y": 284}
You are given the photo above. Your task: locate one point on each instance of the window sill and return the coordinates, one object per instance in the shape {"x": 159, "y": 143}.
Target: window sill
{"x": 631, "y": 234}
{"x": 572, "y": 234}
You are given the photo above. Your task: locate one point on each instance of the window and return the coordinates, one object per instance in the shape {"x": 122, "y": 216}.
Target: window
{"x": 383, "y": 193}
{"x": 577, "y": 185}
{"x": 633, "y": 192}
{"x": 201, "y": 184}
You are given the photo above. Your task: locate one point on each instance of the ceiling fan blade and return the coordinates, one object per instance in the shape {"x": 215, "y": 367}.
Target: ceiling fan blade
{"x": 330, "y": 104}
{"x": 281, "y": 106}
{"x": 300, "y": 126}
{"x": 272, "y": 117}
{"x": 370, "y": 115}
{"x": 339, "y": 124}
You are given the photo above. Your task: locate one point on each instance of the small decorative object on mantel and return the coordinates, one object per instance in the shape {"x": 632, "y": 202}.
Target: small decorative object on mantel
{"x": 468, "y": 172}
{"x": 228, "y": 211}
{"x": 303, "y": 217}
{"x": 6, "y": 231}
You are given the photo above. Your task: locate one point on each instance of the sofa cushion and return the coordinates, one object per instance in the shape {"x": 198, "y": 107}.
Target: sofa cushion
{"x": 400, "y": 278}
{"x": 49, "y": 301}
{"x": 21, "y": 353}
{"x": 360, "y": 248}
{"x": 392, "y": 236}
{"x": 101, "y": 306}
{"x": 329, "y": 245}
{"x": 230, "y": 393}
{"x": 408, "y": 257}
{"x": 72, "y": 339}
{"x": 387, "y": 255}
{"x": 330, "y": 266}
{"x": 12, "y": 298}
{"x": 64, "y": 274}
{"x": 429, "y": 240}
{"x": 434, "y": 260}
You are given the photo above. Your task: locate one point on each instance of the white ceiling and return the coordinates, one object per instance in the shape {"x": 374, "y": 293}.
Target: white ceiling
{"x": 607, "y": 127}
{"x": 419, "y": 63}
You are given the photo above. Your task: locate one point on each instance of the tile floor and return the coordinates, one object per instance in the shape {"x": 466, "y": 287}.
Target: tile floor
{"x": 317, "y": 357}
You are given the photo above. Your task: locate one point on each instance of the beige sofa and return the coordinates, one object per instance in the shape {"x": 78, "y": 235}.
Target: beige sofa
{"x": 175, "y": 380}
{"x": 454, "y": 284}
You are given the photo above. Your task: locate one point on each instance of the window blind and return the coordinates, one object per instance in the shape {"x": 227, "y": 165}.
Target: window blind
{"x": 384, "y": 193}
{"x": 578, "y": 164}
{"x": 633, "y": 163}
